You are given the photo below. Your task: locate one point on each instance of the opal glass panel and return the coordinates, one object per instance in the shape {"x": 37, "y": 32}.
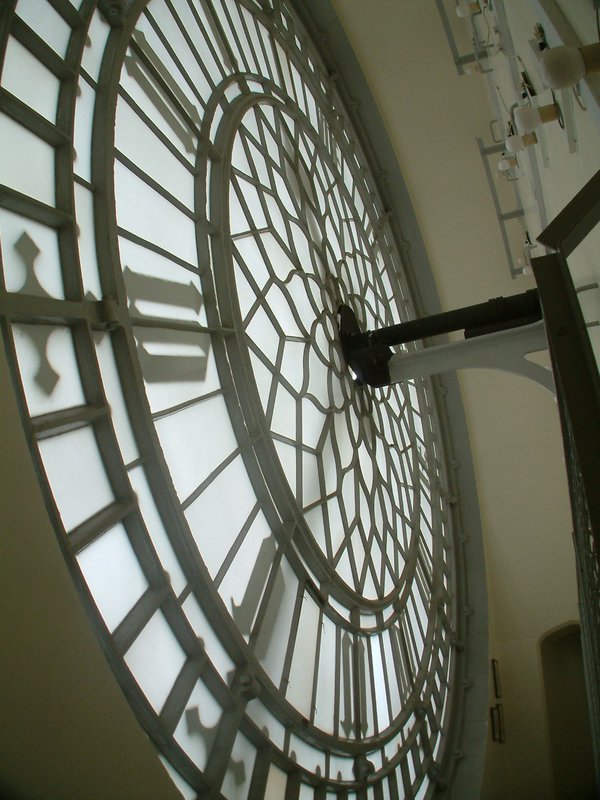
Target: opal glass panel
{"x": 215, "y": 525}
{"x": 46, "y": 22}
{"x": 239, "y": 773}
{"x": 233, "y": 584}
{"x": 160, "y": 108}
{"x": 115, "y": 398}
{"x": 263, "y": 718}
{"x": 276, "y": 782}
{"x": 326, "y": 680}
{"x": 195, "y": 441}
{"x": 156, "y": 220}
{"x": 137, "y": 141}
{"x": 113, "y": 575}
{"x": 197, "y": 58}
{"x": 49, "y": 368}
{"x": 299, "y": 689}
{"x": 30, "y": 169}
{"x": 94, "y": 50}
{"x": 156, "y": 529}
{"x": 76, "y": 475}
{"x": 219, "y": 657}
{"x": 156, "y": 658}
{"x": 29, "y": 80}
{"x": 196, "y": 729}
{"x": 84, "y": 113}
{"x": 274, "y": 632}
{"x": 30, "y": 256}
{"x": 341, "y": 768}
{"x": 84, "y": 209}
{"x": 309, "y": 757}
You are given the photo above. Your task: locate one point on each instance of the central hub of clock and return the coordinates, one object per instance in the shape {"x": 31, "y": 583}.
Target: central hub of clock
{"x": 367, "y": 361}
{"x": 297, "y": 278}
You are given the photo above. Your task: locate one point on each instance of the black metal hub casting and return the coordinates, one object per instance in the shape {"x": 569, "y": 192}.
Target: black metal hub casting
{"x": 368, "y": 361}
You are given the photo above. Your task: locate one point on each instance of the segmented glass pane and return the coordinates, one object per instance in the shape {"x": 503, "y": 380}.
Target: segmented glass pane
{"x": 113, "y": 574}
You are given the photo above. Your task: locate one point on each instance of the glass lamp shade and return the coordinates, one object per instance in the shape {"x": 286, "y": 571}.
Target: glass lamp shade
{"x": 506, "y": 164}
{"x": 561, "y": 67}
{"x": 528, "y": 119}
{"x": 467, "y": 9}
{"x": 520, "y": 142}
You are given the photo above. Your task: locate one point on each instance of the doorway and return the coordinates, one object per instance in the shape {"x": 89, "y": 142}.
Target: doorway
{"x": 567, "y": 714}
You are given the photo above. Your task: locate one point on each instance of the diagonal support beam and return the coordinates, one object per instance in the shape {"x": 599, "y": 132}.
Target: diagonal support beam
{"x": 504, "y": 350}
{"x": 368, "y": 354}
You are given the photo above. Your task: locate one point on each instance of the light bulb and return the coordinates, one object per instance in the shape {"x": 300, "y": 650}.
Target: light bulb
{"x": 528, "y": 118}
{"x": 515, "y": 143}
{"x": 505, "y": 164}
{"x": 561, "y": 67}
{"x": 467, "y": 9}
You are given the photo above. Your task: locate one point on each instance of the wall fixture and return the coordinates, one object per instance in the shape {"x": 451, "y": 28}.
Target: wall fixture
{"x": 507, "y": 163}
{"x": 527, "y": 118}
{"x": 464, "y": 10}
{"x": 497, "y": 717}
{"x": 496, "y": 678}
{"x": 563, "y": 67}
{"x": 515, "y": 142}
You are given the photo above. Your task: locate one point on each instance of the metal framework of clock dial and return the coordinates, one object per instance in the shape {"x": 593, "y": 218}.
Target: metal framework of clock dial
{"x": 269, "y": 546}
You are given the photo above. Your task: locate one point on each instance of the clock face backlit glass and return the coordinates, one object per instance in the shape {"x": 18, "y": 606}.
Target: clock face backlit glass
{"x": 304, "y": 246}
{"x": 269, "y": 546}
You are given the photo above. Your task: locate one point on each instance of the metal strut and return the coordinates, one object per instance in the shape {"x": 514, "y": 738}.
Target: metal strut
{"x": 367, "y": 353}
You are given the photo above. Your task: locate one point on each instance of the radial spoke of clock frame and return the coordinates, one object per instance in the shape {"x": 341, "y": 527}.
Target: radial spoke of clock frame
{"x": 122, "y": 280}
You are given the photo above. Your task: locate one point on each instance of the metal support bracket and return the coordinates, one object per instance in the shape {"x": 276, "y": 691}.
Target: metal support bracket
{"x": 506, "y": 350}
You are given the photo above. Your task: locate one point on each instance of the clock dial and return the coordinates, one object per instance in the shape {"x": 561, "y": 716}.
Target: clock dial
{"x": 268, "y": 545}
{"x": 347, "y": 453}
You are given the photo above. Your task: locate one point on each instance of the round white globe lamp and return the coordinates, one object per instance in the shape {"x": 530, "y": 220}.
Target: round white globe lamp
{"x": 562, "y": 67}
